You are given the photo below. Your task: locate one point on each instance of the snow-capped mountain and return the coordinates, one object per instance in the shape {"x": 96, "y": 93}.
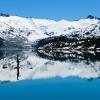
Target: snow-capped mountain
{"x": 30, "y": 29}
{"x": 19, "y": 30}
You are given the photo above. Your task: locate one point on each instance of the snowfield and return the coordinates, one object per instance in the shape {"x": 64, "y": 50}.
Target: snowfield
{"x": 33, "y": 29}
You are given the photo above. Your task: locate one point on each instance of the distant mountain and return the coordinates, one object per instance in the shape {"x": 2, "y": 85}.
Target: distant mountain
{"x": 22, "y": 31}
{"x": 92, "y": 17}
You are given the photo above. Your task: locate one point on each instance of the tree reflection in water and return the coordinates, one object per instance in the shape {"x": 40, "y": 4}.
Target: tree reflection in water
{"x": 71, "y": 56}
{"x": 18, "y": 61}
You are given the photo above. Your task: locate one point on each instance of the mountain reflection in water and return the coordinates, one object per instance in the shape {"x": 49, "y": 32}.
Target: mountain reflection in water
{"x": 23, "y": 65}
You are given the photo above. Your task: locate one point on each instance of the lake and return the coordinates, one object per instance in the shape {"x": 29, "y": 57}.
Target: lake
{"x": 49, "y": 75}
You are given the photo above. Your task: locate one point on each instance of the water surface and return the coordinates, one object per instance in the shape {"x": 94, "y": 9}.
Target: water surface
{"x": 46, "y": 75}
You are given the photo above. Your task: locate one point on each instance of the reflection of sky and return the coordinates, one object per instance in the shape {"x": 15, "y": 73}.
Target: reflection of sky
{"x": 55, "y": 89}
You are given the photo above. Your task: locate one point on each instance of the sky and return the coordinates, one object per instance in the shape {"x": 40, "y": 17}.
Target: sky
{"x": 51, "y": 9}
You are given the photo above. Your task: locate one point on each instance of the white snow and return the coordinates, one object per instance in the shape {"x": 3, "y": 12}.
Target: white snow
{"x": 33, "y": 29}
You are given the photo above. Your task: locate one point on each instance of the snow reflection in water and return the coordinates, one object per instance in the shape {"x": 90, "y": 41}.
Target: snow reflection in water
{"x": 23, "y": 65}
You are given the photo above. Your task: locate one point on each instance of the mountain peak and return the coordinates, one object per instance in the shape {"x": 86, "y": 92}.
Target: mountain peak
{"x": 92, "y": 17}
{"x": 4, "y": 15}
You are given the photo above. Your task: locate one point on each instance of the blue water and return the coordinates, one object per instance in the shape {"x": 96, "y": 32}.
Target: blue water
{"x": 47, "y": 82}
{"x": 71, "y": 88}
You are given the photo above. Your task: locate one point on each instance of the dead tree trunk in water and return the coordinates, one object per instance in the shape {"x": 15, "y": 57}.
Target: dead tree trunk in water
{"x": 18, "y": 67}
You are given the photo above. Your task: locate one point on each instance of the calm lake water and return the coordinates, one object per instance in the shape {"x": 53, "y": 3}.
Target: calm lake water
{"x": 49, "y": 75}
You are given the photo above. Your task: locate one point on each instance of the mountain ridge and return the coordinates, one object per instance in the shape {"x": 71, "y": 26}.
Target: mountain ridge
{"x": 27, "y": 30}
